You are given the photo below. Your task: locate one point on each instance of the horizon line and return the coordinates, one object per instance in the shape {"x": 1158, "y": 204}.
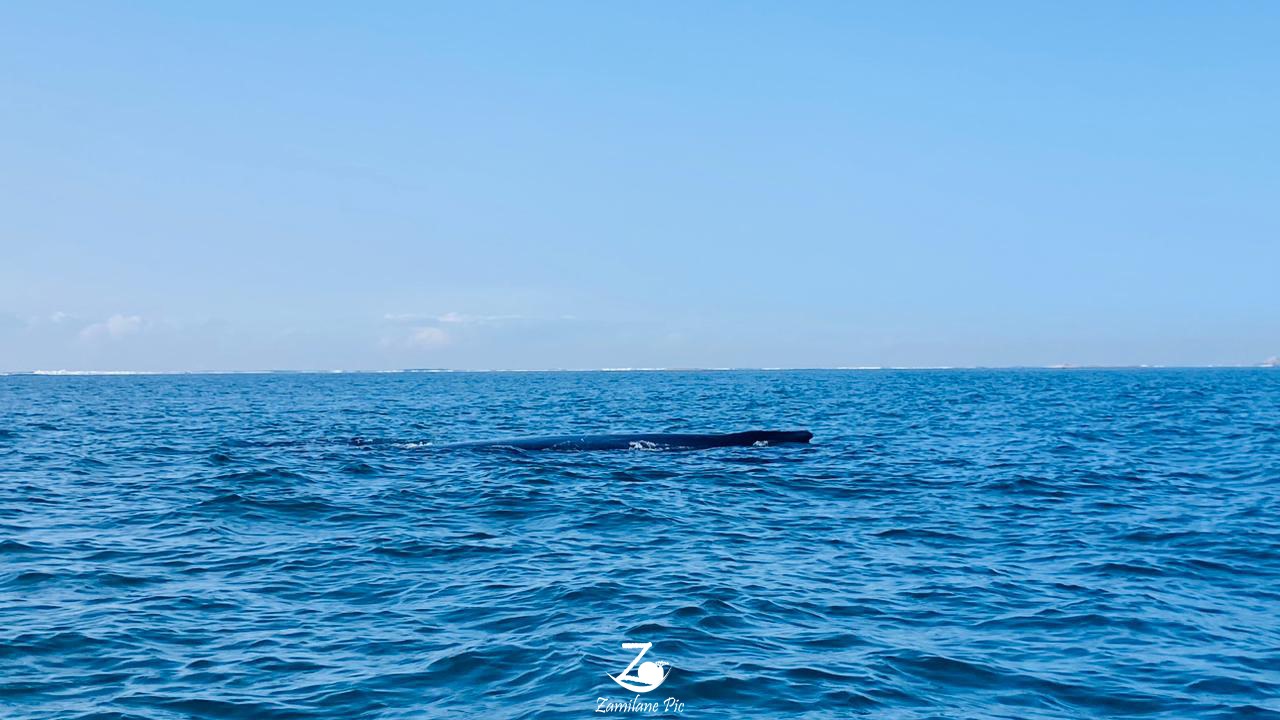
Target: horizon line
{"x": 1269, "y": 364}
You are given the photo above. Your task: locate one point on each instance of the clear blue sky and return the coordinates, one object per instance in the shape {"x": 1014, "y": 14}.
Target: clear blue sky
{"x": 227, "y": 186}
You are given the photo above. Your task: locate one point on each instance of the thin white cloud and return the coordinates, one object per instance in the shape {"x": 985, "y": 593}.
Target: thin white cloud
{"x": 428, "y": 337}
{"x": 59, "y": 318}
{"x": 455, "y": 318}
{"x": 113, "y": 328}
{"x": 403, "y": 318}
{"x": 449, "y": 318}
{"x": 417, "y": 331}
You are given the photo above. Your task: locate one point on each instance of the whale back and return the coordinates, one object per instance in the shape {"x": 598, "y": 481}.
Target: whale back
{"x": 643, "y": 441}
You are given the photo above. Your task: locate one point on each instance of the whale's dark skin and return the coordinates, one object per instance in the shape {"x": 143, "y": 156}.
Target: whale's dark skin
{"x": 663, "y": 441}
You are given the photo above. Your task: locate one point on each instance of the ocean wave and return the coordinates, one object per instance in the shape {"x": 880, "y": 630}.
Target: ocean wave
{"x": 1029, "y": 544}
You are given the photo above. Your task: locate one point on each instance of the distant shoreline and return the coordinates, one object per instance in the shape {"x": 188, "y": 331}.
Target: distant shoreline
{"x": 431, "y": 371}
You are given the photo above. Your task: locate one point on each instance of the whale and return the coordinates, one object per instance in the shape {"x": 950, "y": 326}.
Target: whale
{"x": 641, "y": 441}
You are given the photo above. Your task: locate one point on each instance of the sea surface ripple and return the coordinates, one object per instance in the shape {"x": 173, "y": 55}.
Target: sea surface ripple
{"x": 970, "y": 543}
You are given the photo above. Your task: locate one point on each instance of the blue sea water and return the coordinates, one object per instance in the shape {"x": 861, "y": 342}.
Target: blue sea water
{"x": 960, "y": 544}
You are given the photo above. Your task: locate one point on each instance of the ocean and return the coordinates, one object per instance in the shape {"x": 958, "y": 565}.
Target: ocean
{"x": 952, "y": 544}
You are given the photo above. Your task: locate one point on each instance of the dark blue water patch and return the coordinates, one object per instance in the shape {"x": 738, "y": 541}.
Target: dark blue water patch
{"x": 15, "y": 547}
{"x": 360, "y": 468}
{"x": 1017, "y": 544}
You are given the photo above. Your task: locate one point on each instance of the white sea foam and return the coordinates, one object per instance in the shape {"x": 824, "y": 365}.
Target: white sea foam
{"x": 155, "y": 372}
{"x": 1270, "y": 362}
{"x": 104, "y": 372}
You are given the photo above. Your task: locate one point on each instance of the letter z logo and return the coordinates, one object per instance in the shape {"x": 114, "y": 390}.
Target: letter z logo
{"x": 648, "y": 676}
